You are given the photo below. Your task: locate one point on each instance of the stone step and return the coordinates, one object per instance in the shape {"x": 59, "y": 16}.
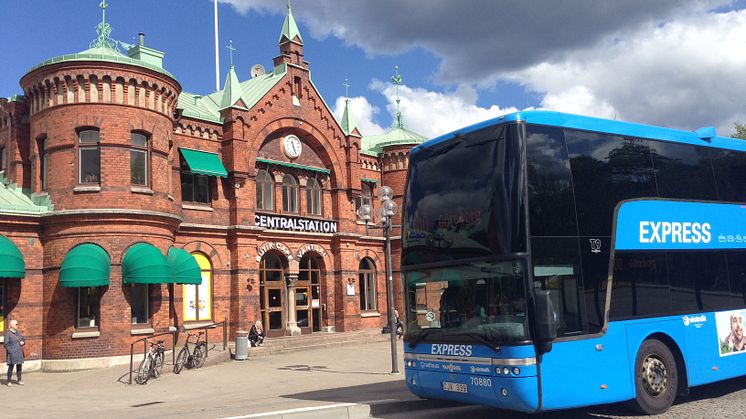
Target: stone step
{"x": 289, "y": 344}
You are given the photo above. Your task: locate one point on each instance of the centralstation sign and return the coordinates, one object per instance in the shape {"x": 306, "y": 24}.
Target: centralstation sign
{"x": 282, "y": 222}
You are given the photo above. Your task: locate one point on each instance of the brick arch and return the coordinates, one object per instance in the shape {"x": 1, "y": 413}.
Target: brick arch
{"x": 207, "y": 249}
{"x": 329, "y": 152}
{"x": 370, "y": 254}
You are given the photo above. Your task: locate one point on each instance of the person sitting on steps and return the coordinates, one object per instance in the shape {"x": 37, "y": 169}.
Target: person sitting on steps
{"x": 256, "y": 334}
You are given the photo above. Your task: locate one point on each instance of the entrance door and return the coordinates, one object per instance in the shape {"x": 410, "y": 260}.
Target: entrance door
{"x": 272, "y": 290}
{"x": 308, "y": 295}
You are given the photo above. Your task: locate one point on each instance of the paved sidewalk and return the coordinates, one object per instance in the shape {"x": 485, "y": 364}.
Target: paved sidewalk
{"x": 348, "y": 374}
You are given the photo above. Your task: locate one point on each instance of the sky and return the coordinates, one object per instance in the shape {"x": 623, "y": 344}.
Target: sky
{"x": 675, "y": 63}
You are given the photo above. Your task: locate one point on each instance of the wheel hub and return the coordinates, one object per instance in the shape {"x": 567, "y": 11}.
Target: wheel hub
{"x": 654, "y": 375}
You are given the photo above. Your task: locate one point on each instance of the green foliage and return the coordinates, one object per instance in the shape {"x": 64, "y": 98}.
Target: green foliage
{"x": 740, "y": 131}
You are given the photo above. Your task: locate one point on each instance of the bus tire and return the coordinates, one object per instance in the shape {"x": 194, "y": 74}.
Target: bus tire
{"x": 656, "y": 378}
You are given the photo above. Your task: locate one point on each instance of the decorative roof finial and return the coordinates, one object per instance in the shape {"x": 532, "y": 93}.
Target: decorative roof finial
{"x": 104, "y": 30}
{"x": 397, "y": 79}
{"x": 346, "y": 84}
{"x": 231, "y": 48}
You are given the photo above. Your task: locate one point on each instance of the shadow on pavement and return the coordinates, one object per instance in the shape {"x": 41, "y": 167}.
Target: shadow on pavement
{"x": 323, "y": 368}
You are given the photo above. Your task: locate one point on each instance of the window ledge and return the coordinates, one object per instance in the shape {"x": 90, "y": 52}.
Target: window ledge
{"x": 197, "y": 207}
{"x": 147, "y": 331}
{"x": 85, "y": 189}
{"x": 170, "y": 197}
{"x": 370, "y": 314}
{"x": 199, "y": 325}
{"x": 84, "y": 335}
{"x": 141, "y": 189}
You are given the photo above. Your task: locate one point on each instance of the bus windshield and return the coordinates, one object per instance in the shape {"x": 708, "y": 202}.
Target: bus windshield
{"x": 480, "y": 301}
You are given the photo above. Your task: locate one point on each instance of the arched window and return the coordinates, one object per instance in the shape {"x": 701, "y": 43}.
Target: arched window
{"x": 289, "y": 194}
{"x": 265, "y": 191}
{"x": 367, "y": 283}
{"x": 313, "y": 197}
{"x": 198, "y": 298}
{"x": 139, "y": 160}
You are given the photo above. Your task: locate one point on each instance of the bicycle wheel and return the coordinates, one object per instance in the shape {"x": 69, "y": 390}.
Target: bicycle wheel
{"x": 200, "y": 353}
{"x": 181, "y": 360}
{"x": 158, "y": 365}
{"x": 143, "y": 372}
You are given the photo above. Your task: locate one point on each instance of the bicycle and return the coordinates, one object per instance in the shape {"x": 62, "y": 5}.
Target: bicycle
{"x": 190, "y": 359}
{"x": 152, "y": 364}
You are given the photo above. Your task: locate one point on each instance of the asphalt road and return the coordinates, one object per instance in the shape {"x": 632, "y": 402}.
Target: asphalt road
{"x": 715, "y": 401}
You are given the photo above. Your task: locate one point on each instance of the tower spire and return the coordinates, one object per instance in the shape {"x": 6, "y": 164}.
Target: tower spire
{"x": 397, "y": 80}
{"x": 290, "y": 28}
{"x": 348, "y": 120}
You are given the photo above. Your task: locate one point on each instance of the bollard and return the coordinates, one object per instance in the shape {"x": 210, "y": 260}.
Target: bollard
{"x": 242, "y": 345}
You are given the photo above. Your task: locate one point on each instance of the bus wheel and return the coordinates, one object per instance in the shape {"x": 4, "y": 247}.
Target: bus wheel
{"x": 656, "y": 378}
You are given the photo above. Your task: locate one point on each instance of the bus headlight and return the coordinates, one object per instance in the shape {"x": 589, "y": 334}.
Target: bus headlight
{"x": 516, "y": 370}
{"x": 498, "y": 371}
{"x": 504, "y": 392}
{"x": 506, "y": 371}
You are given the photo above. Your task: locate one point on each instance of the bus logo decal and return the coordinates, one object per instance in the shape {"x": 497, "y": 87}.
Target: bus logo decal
{"x": 595, "y": 245}
{"x": 694, "y": 320}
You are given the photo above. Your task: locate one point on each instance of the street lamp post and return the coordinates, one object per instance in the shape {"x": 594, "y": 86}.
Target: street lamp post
{"x": 388, "y": 209}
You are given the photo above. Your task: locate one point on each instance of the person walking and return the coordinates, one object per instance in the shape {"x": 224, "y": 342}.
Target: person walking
{"x": 14, "y": 343}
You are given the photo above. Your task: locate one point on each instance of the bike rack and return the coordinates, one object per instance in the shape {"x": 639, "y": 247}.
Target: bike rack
{"x": 174, "y": 336}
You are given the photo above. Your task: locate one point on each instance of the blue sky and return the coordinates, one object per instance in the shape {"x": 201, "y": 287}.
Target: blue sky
{"x": 677, "y": 63}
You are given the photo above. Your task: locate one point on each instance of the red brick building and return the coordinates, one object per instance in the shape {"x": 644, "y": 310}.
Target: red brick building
{"x": 130, "y": 207}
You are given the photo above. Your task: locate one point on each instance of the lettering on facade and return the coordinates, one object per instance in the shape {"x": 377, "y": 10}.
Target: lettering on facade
{"x": 279, "y": 222}
{"x": 310, "y": 248}
{"x": 266, "y": 247}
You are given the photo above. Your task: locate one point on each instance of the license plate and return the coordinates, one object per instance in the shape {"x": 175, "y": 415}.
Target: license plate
{"x": 455, "y": 387}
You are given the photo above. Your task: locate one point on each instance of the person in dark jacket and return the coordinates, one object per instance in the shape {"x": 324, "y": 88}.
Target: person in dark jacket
{"x": 256, "y": 334}
{"x": 14, "y": 342}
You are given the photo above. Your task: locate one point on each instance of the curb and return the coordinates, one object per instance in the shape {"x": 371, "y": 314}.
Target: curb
{"x": 361, "y": 410}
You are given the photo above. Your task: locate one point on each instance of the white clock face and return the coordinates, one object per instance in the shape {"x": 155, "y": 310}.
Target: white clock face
{"x": 291, "y": 146}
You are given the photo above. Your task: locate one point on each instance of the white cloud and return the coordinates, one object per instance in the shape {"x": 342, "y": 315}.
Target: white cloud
{"x": 685, "y": 74}
{"x": 363, "y": 112}
{"x": 430, "y": 113}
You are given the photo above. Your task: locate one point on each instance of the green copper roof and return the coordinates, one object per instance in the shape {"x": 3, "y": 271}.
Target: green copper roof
{"x": 290, "y": 28}
{"x": 86, "y": 265}
{"x": 348, "y": 119}
{"x": 12, "y": 199}
{"x": 203, "y": 163}
{"x": 11, "y": 260}
{"x": 144, "y": 264}
{"x": 183, "y": 267}
{"x": 375, "y": 144}
{"x": 104, "y": 48}
{"x": 208, "y": 108}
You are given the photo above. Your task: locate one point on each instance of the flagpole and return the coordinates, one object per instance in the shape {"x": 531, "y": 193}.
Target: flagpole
{"x": 217, "y": 50}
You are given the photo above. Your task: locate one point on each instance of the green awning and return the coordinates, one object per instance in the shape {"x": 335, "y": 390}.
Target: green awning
{"x": 11, "y": 260}
{"x": 145, "y": 264}
{"x": 86, "y": 265}
{"x": 365, "y": 179}
{"x": 183, "y": 267}
{"x": 294, "y": 165}
{"x": 203, "y": 163}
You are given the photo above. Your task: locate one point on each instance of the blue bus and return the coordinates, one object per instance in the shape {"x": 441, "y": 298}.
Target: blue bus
{"x": 553, "y": 261}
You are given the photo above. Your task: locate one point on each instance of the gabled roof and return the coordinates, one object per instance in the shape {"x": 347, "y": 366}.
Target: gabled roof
{"x": 374, "y": 144}
{"x": 12, "y": 199}
{"x": 208, "y": 108}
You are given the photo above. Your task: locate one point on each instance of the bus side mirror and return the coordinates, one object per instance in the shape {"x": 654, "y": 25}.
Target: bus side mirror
{"x": 546, "y": 321}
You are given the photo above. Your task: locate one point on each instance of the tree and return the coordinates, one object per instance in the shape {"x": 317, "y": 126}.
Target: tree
{"x": 740, "y": 131}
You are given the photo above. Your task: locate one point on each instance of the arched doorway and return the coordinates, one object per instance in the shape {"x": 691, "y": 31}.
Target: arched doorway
{"x": 308, "y": 294}
{"x": 272, "y": 269}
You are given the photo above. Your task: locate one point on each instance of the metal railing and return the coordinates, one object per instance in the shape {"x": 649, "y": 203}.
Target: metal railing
{"x": 175, "y": 338}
